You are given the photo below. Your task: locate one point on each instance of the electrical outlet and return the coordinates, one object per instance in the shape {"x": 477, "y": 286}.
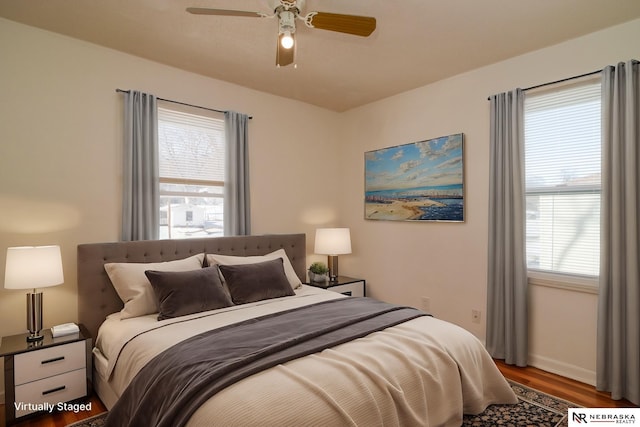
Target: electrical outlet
{"x": 475, "y": 316}
{"x": 426, "y": 304}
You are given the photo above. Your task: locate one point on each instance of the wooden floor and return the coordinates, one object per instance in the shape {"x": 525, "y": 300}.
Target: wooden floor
{"x": 580, "y": 393}
{"x": 564, "y": 388}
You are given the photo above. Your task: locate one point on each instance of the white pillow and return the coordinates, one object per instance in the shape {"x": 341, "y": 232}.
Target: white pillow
{"x": 292, "y": 277}
{"x": 133, "y": 287}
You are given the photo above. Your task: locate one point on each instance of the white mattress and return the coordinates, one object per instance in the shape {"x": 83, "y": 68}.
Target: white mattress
{"x": 422, "y": 372}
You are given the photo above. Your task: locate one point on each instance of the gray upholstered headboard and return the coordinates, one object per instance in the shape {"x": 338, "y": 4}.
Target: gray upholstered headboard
{"x": 97, "y": 298}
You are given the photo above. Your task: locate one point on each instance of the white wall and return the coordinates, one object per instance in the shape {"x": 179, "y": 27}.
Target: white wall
{"x": 60, "y": 152}
{"x": 446, "y": 262}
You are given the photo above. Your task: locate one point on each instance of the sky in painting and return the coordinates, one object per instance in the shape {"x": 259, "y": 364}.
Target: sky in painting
{"x": 434, "y": 162}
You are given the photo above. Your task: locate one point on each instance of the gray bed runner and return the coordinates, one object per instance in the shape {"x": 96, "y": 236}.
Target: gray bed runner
{"x": 171, "y": 387}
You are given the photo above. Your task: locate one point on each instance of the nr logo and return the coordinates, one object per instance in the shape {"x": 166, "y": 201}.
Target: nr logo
{"x": 579, "y": 418}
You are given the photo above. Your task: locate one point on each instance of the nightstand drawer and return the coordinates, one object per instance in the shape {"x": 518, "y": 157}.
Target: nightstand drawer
{"x": 53, "y": 390}
{"x": 355, "y": 289}
{"x": 36, "y": 365}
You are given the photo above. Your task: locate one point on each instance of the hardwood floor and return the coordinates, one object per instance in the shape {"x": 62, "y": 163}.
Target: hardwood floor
{"x": 564, "y": 388}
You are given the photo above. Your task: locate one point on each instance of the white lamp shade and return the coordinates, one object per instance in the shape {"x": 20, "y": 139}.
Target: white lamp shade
{"x": 30, "y": 267}
{"x": 333, "y": 241}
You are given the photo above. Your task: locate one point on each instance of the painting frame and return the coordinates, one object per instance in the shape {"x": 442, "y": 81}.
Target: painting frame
{"x": 419, "y": 181}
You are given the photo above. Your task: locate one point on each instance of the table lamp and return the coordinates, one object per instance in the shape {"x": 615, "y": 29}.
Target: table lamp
{"x": 333, "y": 242}
{"x": 32, "y": 267}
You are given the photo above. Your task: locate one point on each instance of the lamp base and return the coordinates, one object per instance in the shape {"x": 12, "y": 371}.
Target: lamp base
{"x": 332, "y": 261}
{"x": 34, "y": 337}
{"x": 34, "y": 316}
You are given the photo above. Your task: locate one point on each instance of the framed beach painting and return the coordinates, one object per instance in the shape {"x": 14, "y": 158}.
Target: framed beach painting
{"x": 420, "y": 181}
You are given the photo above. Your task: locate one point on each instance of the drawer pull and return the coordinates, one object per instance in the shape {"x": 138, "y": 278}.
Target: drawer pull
{"x": 55, "y": 359}
{"x": 53, "y": 390}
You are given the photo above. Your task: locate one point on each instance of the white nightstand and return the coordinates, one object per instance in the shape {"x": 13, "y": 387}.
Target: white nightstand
{"x": 344, "y": 285}
{"x": 42, "y": 374}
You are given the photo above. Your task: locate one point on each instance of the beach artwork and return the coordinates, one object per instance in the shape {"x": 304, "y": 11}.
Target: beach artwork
{"x": 421, "y": 181}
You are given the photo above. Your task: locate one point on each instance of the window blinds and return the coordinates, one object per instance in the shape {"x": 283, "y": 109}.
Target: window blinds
{"x": 562, "y": 179}
{"x": 190, "y": 146}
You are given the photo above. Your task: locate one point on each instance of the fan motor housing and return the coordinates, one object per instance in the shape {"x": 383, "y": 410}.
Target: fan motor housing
{"x": 287, "y": 22}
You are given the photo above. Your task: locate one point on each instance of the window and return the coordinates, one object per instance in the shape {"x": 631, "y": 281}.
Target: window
{"x": 562, "y": 179}
{"x": 191, "y": 157}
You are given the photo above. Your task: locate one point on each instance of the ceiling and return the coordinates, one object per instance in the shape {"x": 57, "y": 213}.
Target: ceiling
{"x": 416, "y": 42}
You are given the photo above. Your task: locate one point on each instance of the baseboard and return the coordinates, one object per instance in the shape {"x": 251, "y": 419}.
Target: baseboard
{"x": 562, "y": 368}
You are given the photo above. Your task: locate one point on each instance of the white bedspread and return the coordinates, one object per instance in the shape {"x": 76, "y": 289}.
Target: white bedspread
{"x": 425, "y": 372}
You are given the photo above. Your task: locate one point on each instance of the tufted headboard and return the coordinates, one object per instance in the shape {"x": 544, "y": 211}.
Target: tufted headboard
{"x": 97, "y": 298}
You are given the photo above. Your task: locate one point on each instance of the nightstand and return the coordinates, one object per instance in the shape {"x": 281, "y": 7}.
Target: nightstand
{"x": 343, "y": 285}
{"x": 42, "y": 375}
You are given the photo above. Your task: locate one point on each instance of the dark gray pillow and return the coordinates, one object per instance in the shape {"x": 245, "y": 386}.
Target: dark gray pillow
{"x": 255, "y": 282}
{"x": 186, "y": 292}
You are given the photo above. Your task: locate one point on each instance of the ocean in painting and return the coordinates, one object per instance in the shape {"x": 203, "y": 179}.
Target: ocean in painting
{"x": 429, "y": 203}
{"x": 453, "y": 210}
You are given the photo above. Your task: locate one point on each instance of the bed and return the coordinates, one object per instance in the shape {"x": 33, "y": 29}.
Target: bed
{"x": 418, "y": 371}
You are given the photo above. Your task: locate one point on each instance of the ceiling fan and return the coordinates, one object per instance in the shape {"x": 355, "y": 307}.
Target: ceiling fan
{"x": 287, "y": 11}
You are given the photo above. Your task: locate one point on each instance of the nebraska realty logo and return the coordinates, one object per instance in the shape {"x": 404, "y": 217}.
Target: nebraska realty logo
{"x": 603, "y": 416}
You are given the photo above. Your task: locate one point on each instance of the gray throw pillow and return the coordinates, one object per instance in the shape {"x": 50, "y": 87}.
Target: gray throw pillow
{"x": 256, "y": 282}
{"x": 186, "y": 292}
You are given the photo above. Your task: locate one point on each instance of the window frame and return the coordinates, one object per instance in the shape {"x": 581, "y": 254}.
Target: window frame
{"x": 217, "y": 184}
{"x": 556, "y": 279}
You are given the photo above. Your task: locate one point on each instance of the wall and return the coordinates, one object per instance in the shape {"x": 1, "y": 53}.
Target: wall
{"x": 447, "y": 262}
{"x": 60, "y": 152}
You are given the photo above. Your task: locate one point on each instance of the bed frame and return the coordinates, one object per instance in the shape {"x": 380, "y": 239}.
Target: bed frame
{"x": 97, "y": 298}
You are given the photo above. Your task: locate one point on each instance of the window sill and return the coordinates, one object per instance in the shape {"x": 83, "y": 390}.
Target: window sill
{"x": 586, "y": 285}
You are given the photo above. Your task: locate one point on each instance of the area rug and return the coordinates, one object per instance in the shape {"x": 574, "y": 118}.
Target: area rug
{"x": 95, "y": 421}
{"x": 534, "y": 408}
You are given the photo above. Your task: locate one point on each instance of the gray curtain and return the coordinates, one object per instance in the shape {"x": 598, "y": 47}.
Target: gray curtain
{"x": 507, "y": 326}
{"x": 140, "y": 205}
{"x": 618, "y": 354}
{"x": 237, "y": 213}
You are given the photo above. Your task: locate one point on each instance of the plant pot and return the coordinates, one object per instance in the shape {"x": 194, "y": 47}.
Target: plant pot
{"x": 318, "y": 278}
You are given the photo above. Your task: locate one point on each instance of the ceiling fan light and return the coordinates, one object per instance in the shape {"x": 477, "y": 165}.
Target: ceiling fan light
{"x": 286, "y": 40}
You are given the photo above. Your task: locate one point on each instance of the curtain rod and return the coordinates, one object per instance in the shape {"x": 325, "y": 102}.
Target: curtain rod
{"x": 559, "y": 81}
{"x": 181, "y": 103}
{"x": 564, "y": 80}
{"x": 635, "y": 61}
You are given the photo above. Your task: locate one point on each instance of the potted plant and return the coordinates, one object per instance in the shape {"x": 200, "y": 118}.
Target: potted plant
{"x": 318, "y": 272}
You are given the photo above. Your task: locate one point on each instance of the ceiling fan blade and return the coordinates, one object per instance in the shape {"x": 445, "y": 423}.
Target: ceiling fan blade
{"x": 285, "y": 56}
{"x": 350, "y": 24}
{"x": 224, "y": 12}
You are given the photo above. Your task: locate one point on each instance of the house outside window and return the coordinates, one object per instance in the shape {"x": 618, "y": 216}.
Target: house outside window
{"x": 563, "y": 182}
{"x": 191, "y": 159}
